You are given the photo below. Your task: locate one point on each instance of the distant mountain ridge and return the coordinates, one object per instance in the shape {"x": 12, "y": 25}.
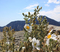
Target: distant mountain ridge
{"x": 52, "y": 21}
{"x": 19, "y": 25}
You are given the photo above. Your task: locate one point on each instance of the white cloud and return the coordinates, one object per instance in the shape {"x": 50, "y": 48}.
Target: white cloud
{"x": 53, "y": 14}
{"x": 47, "y": 5}
{"x": 54, "y": 1}
{"x": 57, "y": 9}
{"x": 31, "y": 6}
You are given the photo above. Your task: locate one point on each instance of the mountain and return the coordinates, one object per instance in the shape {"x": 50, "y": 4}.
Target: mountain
{"x": 52, "y": 21}
{"x": 59, "y": 22}
{"x": 18, "y": 25}
{"x": 1, "y": 28}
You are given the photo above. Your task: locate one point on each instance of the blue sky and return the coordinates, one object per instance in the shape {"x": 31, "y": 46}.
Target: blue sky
{"x": 11, "y": 10}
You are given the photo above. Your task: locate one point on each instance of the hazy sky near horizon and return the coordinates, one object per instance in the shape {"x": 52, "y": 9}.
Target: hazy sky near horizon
{"x": 11, "y": 10}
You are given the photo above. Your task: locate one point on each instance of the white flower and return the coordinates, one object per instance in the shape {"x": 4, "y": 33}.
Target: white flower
{"x": 30, "y": 39}
{"x": 23, "y": 48}
{"x": 7, "y": 43}
{"x": 47, "y": 42}
{"x": 28, "y": 28}
{"x": 35, "y": 43}
{"x": 53, "y": 36}
{"x": 50, "y": 32}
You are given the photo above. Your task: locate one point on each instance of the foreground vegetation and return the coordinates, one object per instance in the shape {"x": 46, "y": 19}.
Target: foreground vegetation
{"x": 36, "y": 37}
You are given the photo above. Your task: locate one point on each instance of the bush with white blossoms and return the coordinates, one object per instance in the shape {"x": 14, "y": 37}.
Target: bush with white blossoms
{"x": 35, "y": 34}
{"x": 36, "y": 37}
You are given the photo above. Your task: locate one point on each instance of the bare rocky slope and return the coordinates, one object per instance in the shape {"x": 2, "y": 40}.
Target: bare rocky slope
{"x": 55, "y": 27}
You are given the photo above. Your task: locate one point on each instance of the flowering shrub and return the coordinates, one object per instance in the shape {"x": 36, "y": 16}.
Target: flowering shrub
{"x": 36, "y": 37}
